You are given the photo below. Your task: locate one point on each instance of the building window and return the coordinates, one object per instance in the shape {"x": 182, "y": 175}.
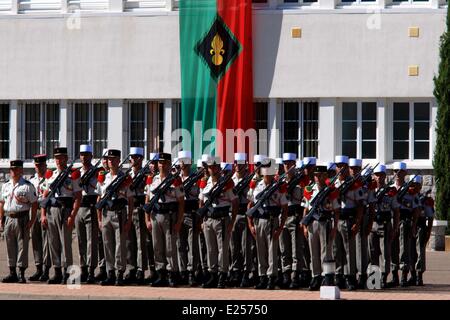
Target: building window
{"x": 359, "y": 129}
{"x": 301, "y": 128}
{"x": 261, "y": 115}
{"x": 91, "y": 126}
{"x": 137, "y": 122}
{"x": 41, "y": 128}
{"x": 300, "y": 1}
{"x": 411, "y": 128}
{"x": 4, "y": 131}
{"x": 161, "y": 127}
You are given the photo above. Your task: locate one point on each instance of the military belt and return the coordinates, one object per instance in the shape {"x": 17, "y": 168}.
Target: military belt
{"x": 269, "y": 212}
{"x": 405, "y": 215}
{"x": 63, "y": 202}
{"x": 219, "y": 212}
{"x": 325, "y": 215}
{"x": 17, "y": 214}
{"x": 139, "y": 200}
{"x": 190, "y": 205}
{"x": 383, "y": 217}
{"x": 166, "y": 208}
{"x": 118, "y": 204}
{"x": 294, "y": 210}
{"x": 347, "y": 214}
{"x": 242, "y": 209}
{"x": 88, "y": 201}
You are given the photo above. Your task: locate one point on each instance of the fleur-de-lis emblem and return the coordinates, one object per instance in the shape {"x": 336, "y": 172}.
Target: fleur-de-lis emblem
{"x": 217, "y": 50}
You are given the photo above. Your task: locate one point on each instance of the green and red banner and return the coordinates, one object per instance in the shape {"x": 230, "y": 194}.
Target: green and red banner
{"x": 216, "y": 72}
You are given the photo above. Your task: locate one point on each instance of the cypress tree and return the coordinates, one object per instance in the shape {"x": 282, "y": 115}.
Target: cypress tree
{"x": 441, "y": 162}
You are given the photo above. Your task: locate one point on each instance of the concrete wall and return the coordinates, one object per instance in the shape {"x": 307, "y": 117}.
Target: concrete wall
{"x": 137, "y": 56}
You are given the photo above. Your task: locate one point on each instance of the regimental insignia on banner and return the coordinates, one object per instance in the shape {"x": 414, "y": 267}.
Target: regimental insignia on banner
{"x": 218, "y": 48}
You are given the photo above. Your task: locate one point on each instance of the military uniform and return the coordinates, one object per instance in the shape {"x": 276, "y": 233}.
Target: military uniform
{"x": 163, "y": 236}
{"x": 87, "y": 228}
{"x": 241, "y": 241}
{"x": 17, "y": 199}
{"x": 188, "y": 240}
{"x": 101, "y": 275}
{"x": 345, "y": 242}
{"x": 380, "y": 236}
{"x": 320, "y": 242}
{"x": 39, "y": 238}
{"x": 266, "y": 221}
{"x": 113, "y": 222}
{"x": 60, "y": 235}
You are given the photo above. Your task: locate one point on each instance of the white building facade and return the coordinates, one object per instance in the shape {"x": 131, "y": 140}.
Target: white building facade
{"x": 330, "y": 77}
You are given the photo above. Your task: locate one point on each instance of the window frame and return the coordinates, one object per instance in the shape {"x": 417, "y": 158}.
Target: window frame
{"x": 7, "y": 103}
{"x": 300, "y": 122}
{"x": 128, "y": 106}
{"x": 42, "y": 125}
{"x": 267, "y": 146}
{"x": 411, "y": 140}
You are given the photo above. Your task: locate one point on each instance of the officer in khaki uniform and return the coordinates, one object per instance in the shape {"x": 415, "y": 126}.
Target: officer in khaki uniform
{"x": 419, "y": 243}
{"x": 137, "y": 237}
{"x": 241, "y": 238}
{"x": 266, "y": 225}
{"x": 202, "y": 242}
{"x": 382, "y": 234}
{"x": 218, "y": 224}
{"x": 39, "y": 235}
{"x": 17, "y": 197}
{"x": 188, "y": 240}
{"x": 322, "y": 231}
{"x": 59, "y": 218}
{"x": 165, "y": 223}
{"x": 292, "y": 243}
{"x": 115, "y": 220}
{"x": 352, "y": 205}
{"x": 409, "y": 213}
{"x": 86, "y": 222}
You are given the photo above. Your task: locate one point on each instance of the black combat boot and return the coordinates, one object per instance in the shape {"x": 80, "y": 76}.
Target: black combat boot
{"x": 340, "y": 281}
{"x": 286, "y": 282}
{"x": 263, "y": 282}
{"x": 12, "y": 277}
{"x": 57, "y": 277}
{"x": 161, "y": 281}
{"x": 37, "y": 275}
{"x": 110, "y": 279}
{"x": 295, "y": 284}
{"x": 420, "y": 279}
{"x": 315, "y": 283}
{"x": 221, "y": 284}
{"x": 404, "y": 281}
{"x": 212, "y": 281}
{"x": 84, "y": 274}
{"x": 305, "y": 279}
{"x": 140, "y": 278}
{"x": 413, "y": 279}
{"x": 362, "y": 281}
{"x": 45, "y": 276}
{"x": 174, "y": 279}
{"x": 22, "y": 276}
{"x": 120, "y": 281}
{"x": 91, "y": 276}
{"x": 395, "y": 282}
{"x": 192, "y": 279}
{"x": 66, "y": 276}
{"x": 101, "y": 275}
{"x": 272, "y": 283}
{"x": 328, "y": 280}
{"x": 246, "y": 283}
{"x": 130, "y": 278}
{"x": 184, "y": 278}
{"x": 384, "y": 284}
{"x": 153, "y": 275}
{"x": 350, "y": 283}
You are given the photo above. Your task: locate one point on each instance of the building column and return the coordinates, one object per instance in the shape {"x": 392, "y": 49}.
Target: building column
{"x": 434, "y": 109}
{"x": 169, "y": 119}
{"x": 381, "y": 130}
{"x": 15, "y": 6}
{"x": 15, "y": 130}
{"x": 329, "y": 130}
{"x": 116, "y": 5}
{"x": 170, "y": 5}
{"x": 65, "y": 127}
{"x": 274, "y": 127}
{"x": 328, "y": 4}
{"x": 116, "y": 126}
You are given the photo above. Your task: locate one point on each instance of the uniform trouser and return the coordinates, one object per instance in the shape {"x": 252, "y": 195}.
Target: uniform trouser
{"x": 241, "y": 245}
{"x": 380, "y": 246}
{"x": 267, "y": 246}
{"x": 203, "y": 250}
{"x": 292, "y": 246}
{"x": 101, "y": 250}
{"x": 114, "y": 239}
{"x": 188, "y": 244}
{"x": 217, "y": 243}
{"x": 345, "y": 248}
{"x": 60, "y": 237}
{"x": 149, "y": 247}
{"x": 320, "y": 244}
{"x": 87, "y": 232}
{"x": 362, "y": 247}
{"x": 17, "y": 238}
{"x": 401, "y": 248}
{"x": 40, "y": 244}
{"x": 137, "y": 241}
{"x": 165, "y": 241}
{"x": 418, "y": 249}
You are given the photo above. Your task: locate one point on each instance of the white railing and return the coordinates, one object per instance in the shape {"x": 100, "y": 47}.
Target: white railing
{"x": 5, "y": 5}
{"x": 140, "y": 5}
{"x": 87, "y": 5}
{"x": 29, "y": 6}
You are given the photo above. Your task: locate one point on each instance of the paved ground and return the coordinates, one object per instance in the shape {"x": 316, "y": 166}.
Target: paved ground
{"x": 437, "y": 287}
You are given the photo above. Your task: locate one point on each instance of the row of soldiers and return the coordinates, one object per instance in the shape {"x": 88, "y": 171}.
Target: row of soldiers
{"x": 277, "y": 222}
